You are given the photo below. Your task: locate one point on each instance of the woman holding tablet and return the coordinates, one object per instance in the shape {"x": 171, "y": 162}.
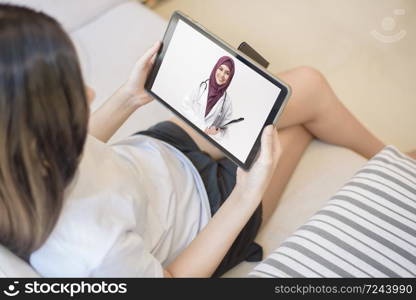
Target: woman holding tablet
{"x": 74, "y": 206}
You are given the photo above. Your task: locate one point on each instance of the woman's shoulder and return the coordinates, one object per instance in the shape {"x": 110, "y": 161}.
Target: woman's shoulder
{"x": 101, "y": 170}
{"x": 106, "y": 203}
{"x": 89, "y": 225}
{"x": 105, "y": 189}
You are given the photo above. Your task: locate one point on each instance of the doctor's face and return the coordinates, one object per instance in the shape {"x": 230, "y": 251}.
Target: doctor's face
{"x": 222, "y": 74}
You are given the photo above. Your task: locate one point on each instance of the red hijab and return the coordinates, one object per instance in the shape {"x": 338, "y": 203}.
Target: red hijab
{"x": 216, "y": 91}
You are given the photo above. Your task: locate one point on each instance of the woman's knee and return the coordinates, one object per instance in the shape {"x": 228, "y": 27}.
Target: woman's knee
{"x": 318, "y": 88}
{"x": 310, "y": 75}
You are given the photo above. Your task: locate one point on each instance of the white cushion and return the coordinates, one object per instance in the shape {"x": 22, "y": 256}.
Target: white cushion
{"x": 367, "y": 229}
{"x": 72, "y": 14}
{"x": 109, "y": 47}
{"x": 13, "y": 266}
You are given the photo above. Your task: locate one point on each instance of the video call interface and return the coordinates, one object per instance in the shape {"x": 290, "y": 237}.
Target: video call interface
{"x": 215, "y": 91}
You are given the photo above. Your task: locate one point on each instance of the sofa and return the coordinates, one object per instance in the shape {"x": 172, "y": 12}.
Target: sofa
{"x": 109, "y": 36}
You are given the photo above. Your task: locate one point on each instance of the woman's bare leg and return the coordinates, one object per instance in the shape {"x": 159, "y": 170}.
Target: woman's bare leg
{"x": 412, "y": 154}
{"x": 314, "y": 105}
{"x": 294, "y": 141}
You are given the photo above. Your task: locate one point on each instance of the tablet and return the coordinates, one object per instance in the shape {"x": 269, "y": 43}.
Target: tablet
{"x": 217, "y": 90}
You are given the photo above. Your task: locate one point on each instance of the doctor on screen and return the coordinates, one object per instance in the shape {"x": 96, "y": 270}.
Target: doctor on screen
{"x": 209, "y": 105}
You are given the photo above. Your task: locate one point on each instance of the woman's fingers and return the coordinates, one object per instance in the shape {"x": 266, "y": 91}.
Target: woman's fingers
{"x": 277, "y": 147}
{"x": 141, "y": 68}
{"x": 270, "y": 146}
{"x": 152, "y": 60}
{"x": 149, "y": 54}
{"x": 266, "y": 152}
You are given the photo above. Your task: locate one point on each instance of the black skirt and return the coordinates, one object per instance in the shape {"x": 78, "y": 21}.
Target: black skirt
{"x": 219, "y": 178}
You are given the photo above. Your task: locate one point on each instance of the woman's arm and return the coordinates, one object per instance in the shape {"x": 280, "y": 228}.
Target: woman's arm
{"x": 105, "y": 121}
{"x": 109, "y": 117}
{"x": 206, "y": 251}
{"x": 204, "y": 254}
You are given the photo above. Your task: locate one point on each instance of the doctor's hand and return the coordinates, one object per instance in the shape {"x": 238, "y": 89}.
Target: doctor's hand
{"x": 212, "y": 130}
{"x": 253, "y": 183}
{"x": 133, "y": 88}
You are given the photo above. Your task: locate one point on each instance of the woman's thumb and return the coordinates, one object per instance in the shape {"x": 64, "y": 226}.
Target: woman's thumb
{"x": 267, "y": 144}
{"x": 149, "y": 54}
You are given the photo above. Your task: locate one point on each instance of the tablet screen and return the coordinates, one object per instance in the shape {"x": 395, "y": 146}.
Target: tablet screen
{"x": 214, "y": 90}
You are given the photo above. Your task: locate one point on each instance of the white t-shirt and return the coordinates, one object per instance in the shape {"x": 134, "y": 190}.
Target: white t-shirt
{"x": 131, "y": 209}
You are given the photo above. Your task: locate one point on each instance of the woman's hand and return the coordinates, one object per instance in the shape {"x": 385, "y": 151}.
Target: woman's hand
{"x": 134, "y": 87}
{"x": 212, "y": 130}
{"x": 253, "y": 183}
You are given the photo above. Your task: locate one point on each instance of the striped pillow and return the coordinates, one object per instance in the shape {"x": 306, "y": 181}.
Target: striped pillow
{"x": 368, "y": 229}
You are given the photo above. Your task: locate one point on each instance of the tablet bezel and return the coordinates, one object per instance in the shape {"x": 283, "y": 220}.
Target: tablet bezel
{"x": 274, "y": 113}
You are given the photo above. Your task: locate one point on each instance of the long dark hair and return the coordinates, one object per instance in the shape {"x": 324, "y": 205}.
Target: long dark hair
{"x": 43, "y": 125}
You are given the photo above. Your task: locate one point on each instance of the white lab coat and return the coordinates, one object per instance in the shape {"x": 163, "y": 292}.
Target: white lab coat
{"x": 194, "y": 106}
